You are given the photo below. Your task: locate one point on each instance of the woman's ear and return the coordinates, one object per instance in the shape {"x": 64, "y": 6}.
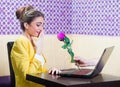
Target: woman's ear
{"x": 26, "y": 25}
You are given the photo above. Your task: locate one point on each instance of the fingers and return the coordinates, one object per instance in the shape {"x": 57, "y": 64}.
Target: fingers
{"x": 54, "y": 71}
{"x": 82, "y": 62}
{"x": 38, "y": 34}
{"x": 41, "y": 34}
{"x": 78, "y": 64}
{"x": 39, "y": 42}
{"x": 79, "y": 61}
{"x": 76, "y": 57}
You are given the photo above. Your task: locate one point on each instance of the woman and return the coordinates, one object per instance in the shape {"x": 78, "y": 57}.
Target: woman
{"x": 26, "y": 54}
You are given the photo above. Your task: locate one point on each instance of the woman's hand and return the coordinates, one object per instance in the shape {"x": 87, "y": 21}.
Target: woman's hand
{"x": 39, "y": 43}
{"x": 54, "y": 71}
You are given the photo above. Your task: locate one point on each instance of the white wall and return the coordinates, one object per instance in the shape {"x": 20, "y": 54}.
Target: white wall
{"x": 4, "y": 66}
{"x": 84, "y": 46}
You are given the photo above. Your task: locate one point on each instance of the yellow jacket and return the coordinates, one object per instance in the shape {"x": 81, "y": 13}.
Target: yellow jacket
{"x": 23, "y": 62}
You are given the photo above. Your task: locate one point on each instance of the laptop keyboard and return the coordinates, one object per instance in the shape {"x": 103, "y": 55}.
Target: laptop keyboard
{"x": 77, "y": 72}
{"x": 83, "y": 72}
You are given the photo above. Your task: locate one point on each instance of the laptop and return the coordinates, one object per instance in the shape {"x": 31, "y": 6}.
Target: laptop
{"x": 89, "y": 73}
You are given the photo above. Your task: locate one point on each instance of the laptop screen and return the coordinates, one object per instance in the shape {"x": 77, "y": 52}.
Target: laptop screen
{"x": 105, "y": 56}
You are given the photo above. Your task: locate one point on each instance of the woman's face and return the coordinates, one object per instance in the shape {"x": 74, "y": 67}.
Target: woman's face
{"x": 35, "y": 27}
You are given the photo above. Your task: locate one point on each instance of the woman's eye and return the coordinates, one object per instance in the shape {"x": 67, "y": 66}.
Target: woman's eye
{"x": 38, "y": 25}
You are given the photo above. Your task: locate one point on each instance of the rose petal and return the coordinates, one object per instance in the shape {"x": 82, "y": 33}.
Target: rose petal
{"x": 61, "y": 36}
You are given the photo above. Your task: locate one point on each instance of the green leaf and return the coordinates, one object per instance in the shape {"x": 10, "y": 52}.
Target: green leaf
{"x": 64, "y": 46}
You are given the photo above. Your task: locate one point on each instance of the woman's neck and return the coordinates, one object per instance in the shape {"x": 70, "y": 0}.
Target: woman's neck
{"x": 27, "y": 35}
{"x": 30, "y": 38}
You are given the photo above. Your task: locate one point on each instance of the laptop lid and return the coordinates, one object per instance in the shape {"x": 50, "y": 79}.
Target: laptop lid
{"x": 103, "y": 60}
{"x": 98, "y": 68}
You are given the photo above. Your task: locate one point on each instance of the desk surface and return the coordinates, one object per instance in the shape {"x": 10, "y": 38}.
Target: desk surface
{"x": 101, "y": 80}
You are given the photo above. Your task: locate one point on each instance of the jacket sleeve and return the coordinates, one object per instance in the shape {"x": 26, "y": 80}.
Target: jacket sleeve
{"x": 22, "y": 62}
